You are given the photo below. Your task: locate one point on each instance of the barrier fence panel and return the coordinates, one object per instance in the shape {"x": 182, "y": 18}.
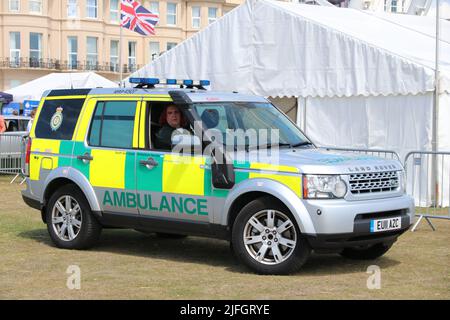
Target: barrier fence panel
{"x": 387, "y": 154}
{"x": 11, "y": 153}
{"x": 23, "y": 150}
{"x": 428, "y": 182}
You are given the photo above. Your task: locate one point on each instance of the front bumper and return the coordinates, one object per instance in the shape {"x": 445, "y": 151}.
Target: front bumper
{"x": 341, "y": 224}
{"x": 338, "y": 242}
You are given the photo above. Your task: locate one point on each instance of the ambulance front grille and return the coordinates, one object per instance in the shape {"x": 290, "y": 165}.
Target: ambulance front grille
{"x": 363, "y": 183}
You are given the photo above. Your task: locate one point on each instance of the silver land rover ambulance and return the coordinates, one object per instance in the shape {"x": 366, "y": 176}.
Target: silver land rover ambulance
{"x": 93, "y": 161}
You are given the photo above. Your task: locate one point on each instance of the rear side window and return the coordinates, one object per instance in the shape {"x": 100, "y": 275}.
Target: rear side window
{"x": 113, "y": 125}
{"x": 58, "y": 118}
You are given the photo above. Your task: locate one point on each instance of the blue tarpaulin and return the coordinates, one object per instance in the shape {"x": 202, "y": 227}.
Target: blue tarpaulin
{"x": 8, "y": 109}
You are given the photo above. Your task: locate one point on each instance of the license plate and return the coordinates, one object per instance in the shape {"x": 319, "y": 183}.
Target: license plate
{"x": 385, "y": 224}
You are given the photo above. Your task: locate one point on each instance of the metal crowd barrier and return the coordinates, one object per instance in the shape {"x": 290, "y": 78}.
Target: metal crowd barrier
{"x": 23, "y": 150}
{"x": 387, "y": 154}
{"x": 12, "y": 153}
{"x": 428, "y": 182}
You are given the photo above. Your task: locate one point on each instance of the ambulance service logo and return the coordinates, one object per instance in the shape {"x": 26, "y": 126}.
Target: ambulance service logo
{"x": 57, "y": 119}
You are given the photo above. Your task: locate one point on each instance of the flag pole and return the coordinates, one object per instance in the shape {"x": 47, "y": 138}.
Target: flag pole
{"x": 120, "y": 54}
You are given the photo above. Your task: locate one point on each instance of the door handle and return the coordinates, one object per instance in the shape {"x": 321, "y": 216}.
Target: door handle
{"x": 86, "y": 158}
{"x": 150, "y": 163}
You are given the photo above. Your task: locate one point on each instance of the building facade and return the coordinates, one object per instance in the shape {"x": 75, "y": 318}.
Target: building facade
{"x": 43, "y": 36}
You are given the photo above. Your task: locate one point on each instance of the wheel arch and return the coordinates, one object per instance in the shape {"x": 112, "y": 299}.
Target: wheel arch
{"x": 252, "y": 189}
{"x": 63, "y": 176}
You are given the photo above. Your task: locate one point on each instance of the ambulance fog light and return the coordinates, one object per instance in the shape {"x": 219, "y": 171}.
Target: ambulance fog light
{"x": 340, "y": 189}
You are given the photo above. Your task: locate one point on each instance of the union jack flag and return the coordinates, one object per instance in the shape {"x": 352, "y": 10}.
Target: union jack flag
{"x": 137, "y": 18}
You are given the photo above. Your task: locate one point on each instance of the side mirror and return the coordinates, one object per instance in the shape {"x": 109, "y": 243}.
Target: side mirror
{"x": 223, "y": 176}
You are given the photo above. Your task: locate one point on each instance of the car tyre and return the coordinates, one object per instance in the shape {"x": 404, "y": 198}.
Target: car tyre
{"x": 266, "y": 238}
{"x": 70, "y": 221}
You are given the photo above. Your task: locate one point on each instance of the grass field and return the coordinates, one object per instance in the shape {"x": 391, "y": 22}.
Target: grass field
{"x": 130, "y": 265}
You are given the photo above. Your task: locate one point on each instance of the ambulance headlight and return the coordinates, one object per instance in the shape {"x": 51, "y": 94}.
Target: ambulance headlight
{"x": 323, "y": 187}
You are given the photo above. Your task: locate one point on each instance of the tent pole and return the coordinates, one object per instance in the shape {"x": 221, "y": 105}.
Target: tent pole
{"x": 304, "y": 114}
{"x": 434, "y": 143}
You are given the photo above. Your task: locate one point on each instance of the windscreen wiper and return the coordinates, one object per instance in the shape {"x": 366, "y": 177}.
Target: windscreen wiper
{"x": 301, "y": 144}
{"x": 269, "y": 146}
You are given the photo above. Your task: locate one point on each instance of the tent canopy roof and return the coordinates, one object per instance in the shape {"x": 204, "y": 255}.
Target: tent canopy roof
{"x": 34, "y": 89}
{"x": 275, "y": 48}
{"x": 5, "y": 97}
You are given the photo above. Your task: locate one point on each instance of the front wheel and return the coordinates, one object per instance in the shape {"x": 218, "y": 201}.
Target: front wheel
{"x": 266, "y": 238}
{"x": 366, "y": 253}
{"x": 70, "y": 221}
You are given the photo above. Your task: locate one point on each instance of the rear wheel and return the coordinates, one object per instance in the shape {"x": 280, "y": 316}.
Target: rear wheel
{"x": 266, "y": 238}
{"x": 70, "y": 222}
{"x": 366, "y": 253}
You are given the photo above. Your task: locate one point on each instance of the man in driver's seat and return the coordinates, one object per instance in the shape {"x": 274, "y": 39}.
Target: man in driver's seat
{"x": 171, "y": 119}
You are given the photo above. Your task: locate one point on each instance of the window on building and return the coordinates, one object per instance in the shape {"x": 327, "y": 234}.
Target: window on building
{"x": 154, "y": 7}
{"x": 196, "y": 17}
{"x": 394, "y": 6}
{"x": 92, "y": 53}
{"x": 171, "y": 14}
{"x": 113, "y": 125}
{"x": 14, "y": 5}
{"x": 35, "y": 6}
{"x": 72, "y": 9}
{"x": 171, "y": 45}
{"x": 114, "y": 56}
{"x": 154, "y": 50}
{"x": 14, "y": 48}
{"x": 35, "y": 49}
{"x": 132, "y": 56}
{"x": 92, "y": 9}
{"x": 72, "y": 49}
{"x": 114, "y": 11}
{"x": 212, "y": 15}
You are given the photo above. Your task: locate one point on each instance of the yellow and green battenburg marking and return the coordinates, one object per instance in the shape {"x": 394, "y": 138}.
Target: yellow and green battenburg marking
{"x": 174, "y": 174}
{"x": 118, "y": 169}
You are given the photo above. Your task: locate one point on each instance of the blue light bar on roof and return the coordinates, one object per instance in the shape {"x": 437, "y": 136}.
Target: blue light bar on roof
{"x": 146, "y": 81}
{"x": 155, "y": 81}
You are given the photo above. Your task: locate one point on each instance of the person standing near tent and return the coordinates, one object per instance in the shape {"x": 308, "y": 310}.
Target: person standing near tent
{"x": 2, "y": 124}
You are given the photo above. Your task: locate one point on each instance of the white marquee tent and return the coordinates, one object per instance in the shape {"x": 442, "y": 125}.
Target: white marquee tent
{"x": 358, "y": 79}
{"x": 34, "y": 89}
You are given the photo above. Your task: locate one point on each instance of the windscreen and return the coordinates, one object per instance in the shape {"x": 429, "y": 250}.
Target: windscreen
{"x": 240, "y": 122}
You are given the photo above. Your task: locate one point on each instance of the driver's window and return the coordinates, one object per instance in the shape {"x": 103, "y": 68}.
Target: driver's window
{"x": 164, "y": 119}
